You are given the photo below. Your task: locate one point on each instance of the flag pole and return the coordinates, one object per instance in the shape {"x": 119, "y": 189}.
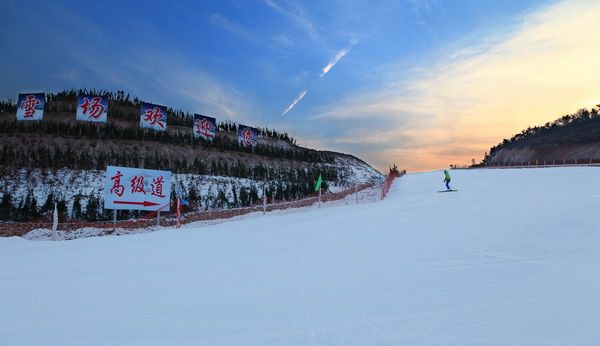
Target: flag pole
{"x": 114, "y": 220}
{"x": 178, "y": 212}
{"x": 55, "y": 219}
{"x": 318, "y": 188}
{"x": 54, "y": 222}
{"x": 264, "y": 199}
{"x": 319, "y": 197}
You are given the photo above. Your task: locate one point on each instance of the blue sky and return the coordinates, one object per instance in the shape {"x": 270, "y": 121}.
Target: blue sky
{"x": 249, "y": 60}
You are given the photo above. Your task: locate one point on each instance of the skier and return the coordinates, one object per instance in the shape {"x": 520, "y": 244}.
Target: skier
{"x": 447, "y": 180}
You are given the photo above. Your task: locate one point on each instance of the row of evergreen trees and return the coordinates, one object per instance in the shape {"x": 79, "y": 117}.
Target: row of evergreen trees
{"x": 90, "y": 208}
{"x": 28, "y": 210}
{"x": 57, "y": 156}
{"x": 124, "y": 107}
{"x": 112, "y": 132}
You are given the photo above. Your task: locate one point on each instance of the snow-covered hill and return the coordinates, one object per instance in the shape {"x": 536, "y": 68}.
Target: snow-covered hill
{"x": 66, "y": 184}
{"x": 512, "y": 258}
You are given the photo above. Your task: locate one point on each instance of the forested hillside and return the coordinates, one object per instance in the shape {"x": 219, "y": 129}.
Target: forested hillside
{"x": 59, "y": 146}
{"x": 570, "y": 137}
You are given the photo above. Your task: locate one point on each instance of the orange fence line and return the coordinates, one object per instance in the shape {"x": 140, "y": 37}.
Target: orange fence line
{"x": 387, "y": 183}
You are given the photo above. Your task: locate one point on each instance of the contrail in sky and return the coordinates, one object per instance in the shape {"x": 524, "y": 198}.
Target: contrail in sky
{"x": 296, "y": 100}
{"x": 342, "y": 53}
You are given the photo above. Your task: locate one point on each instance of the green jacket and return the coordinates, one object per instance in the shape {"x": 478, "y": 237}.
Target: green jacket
{"x": 446, "y": 176}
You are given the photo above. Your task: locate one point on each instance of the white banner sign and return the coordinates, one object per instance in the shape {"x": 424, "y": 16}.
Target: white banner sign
{"x": 92, "y": 108}
{"x": 153, "y": 116}
{"x": 135, "y": 188}
{"x": 31, "y": 106}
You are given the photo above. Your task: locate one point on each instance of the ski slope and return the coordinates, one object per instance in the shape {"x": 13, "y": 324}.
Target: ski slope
{"x": 512, "y": 258}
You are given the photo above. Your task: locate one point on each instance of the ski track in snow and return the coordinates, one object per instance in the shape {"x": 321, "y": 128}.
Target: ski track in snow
{"x": 504, "y": 261}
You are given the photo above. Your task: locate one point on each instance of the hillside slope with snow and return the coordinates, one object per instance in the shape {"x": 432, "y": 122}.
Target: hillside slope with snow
{"x": 512, "y": 258}
{"x": 67, "y": 184}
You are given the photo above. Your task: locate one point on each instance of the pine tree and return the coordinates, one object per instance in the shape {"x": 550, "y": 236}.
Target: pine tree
{"x": 6, "y": 207}
{"x": 244, "y": 200}
{"x": 76, "y": 208}
{"x": 221, "y": 201}
{"x": 253, "y": 195}
{"x": 236, "y": 202}
{"x": 91, "y": 209}
{"x": 49, "y": 204}
{"x": 61, "y": 207}
{"x": 193, "y": 195}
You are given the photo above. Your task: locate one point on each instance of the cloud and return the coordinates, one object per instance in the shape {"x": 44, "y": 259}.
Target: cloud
{"x": 202, "y": 92}
{"x": 420, "y": 9}
{"x": 295, "y": 13}
{"x": 179, "y": 84}
{"x": 165, "y": 76}
{"x": 295, "y": 101}
{"x": 457, "y": 108}
{"x": 220, "y": 21}
{"x": 282, "y": 40}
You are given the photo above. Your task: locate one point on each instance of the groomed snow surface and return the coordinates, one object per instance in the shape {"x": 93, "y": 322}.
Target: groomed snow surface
{"x": 512, "y": 258}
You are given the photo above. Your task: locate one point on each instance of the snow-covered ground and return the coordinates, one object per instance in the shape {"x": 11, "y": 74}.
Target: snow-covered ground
{"x": 512, "y": 258}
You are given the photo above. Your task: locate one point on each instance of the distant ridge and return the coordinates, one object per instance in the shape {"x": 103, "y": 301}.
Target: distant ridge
{"x": 570, "y": 137}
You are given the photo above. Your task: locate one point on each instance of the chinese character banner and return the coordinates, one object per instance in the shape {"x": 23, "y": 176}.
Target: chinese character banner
{"x": 247, "y": 136}
{"x": 92, "y": 108}
{"x": 137, "y": 189}
{"x": 153, "y": 116}
{"x": 204, "y": 127}
{"x": 31, "y": 106}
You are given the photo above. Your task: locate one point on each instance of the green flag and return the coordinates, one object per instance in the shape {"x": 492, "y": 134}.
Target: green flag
{"x": 318, "y": 184}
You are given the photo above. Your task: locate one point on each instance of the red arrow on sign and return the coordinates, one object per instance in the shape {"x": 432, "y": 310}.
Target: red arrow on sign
{"x": 144, "y": 203}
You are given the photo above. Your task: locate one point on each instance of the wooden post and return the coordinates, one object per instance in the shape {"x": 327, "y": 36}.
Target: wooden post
{"x": 356, "y": 192}
{"x": 114, "y": 220}
{"x": 158, "y": 218}
{"x": 319, "y": 198}
{"x": 264, "y": 200}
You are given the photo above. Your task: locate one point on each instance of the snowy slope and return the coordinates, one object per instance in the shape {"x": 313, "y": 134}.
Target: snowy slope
{"x": 510, "y": 259}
